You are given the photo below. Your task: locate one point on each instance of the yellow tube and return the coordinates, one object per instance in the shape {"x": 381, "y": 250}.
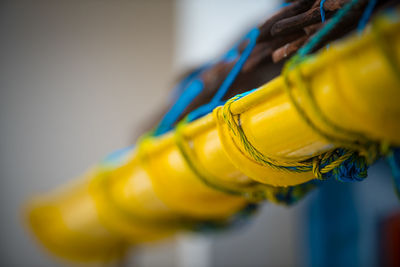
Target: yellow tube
{"x": 67, "y": 222}
{"x": 155, "y": 191}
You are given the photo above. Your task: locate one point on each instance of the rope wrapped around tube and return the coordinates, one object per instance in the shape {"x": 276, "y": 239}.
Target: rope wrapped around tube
{"x": 210, "y": 173}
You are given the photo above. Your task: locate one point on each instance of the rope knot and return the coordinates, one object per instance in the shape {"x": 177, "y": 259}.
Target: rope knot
{"x": 354, "y": 168}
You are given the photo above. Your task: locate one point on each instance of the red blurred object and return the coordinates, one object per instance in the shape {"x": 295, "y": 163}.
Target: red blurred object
{"x": 390, "y": 241}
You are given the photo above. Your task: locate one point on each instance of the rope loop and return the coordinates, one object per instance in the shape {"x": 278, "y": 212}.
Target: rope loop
{"x": 322, "y": 166}
{"x": 253, "y": 153}
{"x": 254, "y": 192}
{"x": 190, "y": 224}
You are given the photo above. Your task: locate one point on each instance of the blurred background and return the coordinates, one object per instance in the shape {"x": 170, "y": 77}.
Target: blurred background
{"x": 79, "y": 79}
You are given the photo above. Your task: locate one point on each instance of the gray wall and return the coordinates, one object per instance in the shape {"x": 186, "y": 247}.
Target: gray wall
{"x": 77, "y": 79}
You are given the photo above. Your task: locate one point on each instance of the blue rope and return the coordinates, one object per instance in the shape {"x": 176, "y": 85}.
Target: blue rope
{"x": 117, "y": 157}
{"x": 393, "y": 158}
{"x": 192, "y": 86}
{"x": 322, "y": 10}
{"x": 284, "y": 4}
{"x": 186, "y": 91}
{"x": 239, "y": 96}
{"x": 252, "y": 37}
{"x": 217, "y": 98}
{"x": 366, "y": 15}
{"x": 308, "y": 47}
{"x": 183, "y": 84}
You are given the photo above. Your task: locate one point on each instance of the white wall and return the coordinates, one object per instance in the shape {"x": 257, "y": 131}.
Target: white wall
{"x": 206, "y": 28}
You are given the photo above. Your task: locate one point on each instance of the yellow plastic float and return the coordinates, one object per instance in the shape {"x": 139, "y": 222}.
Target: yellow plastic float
{"x": 193, "y": 174}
